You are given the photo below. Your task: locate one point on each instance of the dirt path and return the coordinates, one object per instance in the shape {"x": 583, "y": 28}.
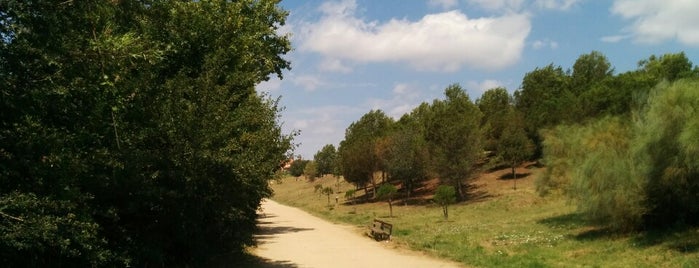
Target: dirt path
{"x": 290, "y": 237}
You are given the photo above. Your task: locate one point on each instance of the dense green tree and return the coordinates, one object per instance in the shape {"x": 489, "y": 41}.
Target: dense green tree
{"x": 328, "y": 191}
{"x": 445, "y": 195}
{"x": 407, "y": 157}
{"x": 297, "y": 167}
{"x": 358, "y": 151}
{"x": 495, "y": 104}
{"x": 671, "y": 67}
{"x": 514, "y": 147}
{"x": 545, "y": 101}
{"x": 589, "y": 70}
{"x": 310, "y": 171}
{"x": 326, "y": 159}
{"x": 387, "y": 192}
{"x": 454, "y": 137}
{"x": 131, "y": 133}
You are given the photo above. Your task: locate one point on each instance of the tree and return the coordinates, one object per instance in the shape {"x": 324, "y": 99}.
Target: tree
{"x": 310, "y": 171}
{"x": 407, "y": 156}
{"x": 454, "y": 137}
{"x": 325, "y": 160}
{"x": 495, "y": 105}
{"x": 514, "y": 146}
{"x": 135, "y": 130}
{"x": 328, "y": 191}
{"x": 297, "y": 167}
{"x": 358, "y": 151}
{"x": 545, "y": 101}
{"x": 445, "y": 195}
{"x": 588, "y": 70}
{"x": 386, "y": 192}
{"x": 349, "y": 195}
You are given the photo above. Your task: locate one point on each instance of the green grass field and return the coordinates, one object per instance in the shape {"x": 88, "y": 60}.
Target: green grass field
{"x": 500, "y": 227}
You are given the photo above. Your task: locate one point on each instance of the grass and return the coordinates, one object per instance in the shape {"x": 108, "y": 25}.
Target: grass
{"x": 501, "y": 228}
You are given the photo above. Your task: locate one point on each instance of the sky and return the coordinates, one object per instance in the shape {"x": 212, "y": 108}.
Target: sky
{"x": 353, "y": 56}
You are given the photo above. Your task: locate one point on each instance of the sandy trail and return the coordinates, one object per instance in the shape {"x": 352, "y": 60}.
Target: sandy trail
{"x": 290, "y": 237}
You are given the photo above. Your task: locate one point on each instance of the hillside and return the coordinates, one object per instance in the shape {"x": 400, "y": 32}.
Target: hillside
{"x": 498, "y": 226}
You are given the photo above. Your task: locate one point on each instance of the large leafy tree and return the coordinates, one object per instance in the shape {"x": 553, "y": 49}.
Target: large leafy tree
{"x": 407, "y": 158}
{"x": 495, "y": 104}
{"x": 514, "y": 147}
{"x": 454, "y": 137}
{"x": 326, "y": 159}
{"x": 359, "y": 154}
{"x": 545, "y": 100}
{"x": 133, "y": 130}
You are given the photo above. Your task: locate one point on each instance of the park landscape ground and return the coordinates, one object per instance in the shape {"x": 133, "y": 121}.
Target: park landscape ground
{"x": 498, "y": 226}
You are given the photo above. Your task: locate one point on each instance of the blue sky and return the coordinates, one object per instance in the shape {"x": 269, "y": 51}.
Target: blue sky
{"x": 352, "y": 56}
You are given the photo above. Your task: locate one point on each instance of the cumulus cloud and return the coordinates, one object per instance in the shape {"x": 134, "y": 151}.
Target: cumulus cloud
{"x": 655, "y": 21}
{"x": 444, "y": 4}
{"x": 444, "y": 41}
{"x": 556, "y": 4}
{"x": 308, "y": 82}
{"x": 320, "y": 125}
{"x": 482, "y": 86}
{"x": 334, "y": 65}
{"x": 499, "y": 5}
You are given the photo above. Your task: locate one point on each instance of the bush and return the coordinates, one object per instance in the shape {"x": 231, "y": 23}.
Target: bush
{"x": 626, "y": 174}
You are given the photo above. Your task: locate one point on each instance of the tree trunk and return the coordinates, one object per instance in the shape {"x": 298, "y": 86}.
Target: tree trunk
{"x": 445, "y": 210}
{"x": 459, "y": 190}
{"x": 390, "y": 208}
{"x": 514, "y": 175}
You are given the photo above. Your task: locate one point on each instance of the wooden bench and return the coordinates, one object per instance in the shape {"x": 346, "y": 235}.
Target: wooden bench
{"x": 381, "y": 230}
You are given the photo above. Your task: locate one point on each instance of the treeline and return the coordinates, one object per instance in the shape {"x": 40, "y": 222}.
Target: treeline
{"x": 131, "y": 134}
{"x": 614, "y": 142}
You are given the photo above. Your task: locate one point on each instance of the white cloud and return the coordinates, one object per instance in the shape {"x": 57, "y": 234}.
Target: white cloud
{"x": 539, "y": 44}
{"x": 443, "y": 4}
{"x": 499, "y": 5}
{"x": 556, "y": 4}
{"x": 655, "y": 21}
{"x": 334, "y": 65}
{"x": 320, "y": 125}
{"x": 438, "y": 42}
{"x": 614, "y": 38}
{"x": 308, "y": 82}
{"x": 484, "y": 85}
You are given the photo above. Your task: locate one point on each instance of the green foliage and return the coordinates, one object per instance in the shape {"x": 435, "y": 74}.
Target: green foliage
{"x": 589, "y": 70}
{"x": 667, "y": 142}
{"x": 407, "y": 156}
{"x": 626, "y": 175}
{"x": 132, "y": 131}
{"x": 386, "y": 192}
{"x": 310, "y": 171}
{"x": 514, "y": 147}
{"x": 297, "y": 167}
{"x": 328, "y": 191}
{"x": 349, "y": 194}
{"x": 445, "y": 195}
{"x": 454, "y": 137}
{"x": 495, "y": 104}
{"x": 325, "y": 160}
{"x": 359, "y": 154}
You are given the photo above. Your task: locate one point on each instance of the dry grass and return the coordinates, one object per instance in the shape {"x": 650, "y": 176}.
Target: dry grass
{"x": 499, "y": 226}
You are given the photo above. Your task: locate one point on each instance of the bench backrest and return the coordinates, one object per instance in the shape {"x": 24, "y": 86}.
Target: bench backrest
{"x": 384, "y": 226}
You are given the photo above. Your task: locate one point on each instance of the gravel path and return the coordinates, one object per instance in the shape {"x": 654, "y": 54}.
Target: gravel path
{"x": 290, "y": 237}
